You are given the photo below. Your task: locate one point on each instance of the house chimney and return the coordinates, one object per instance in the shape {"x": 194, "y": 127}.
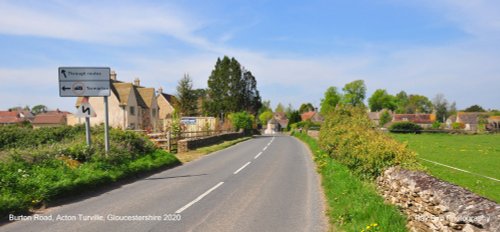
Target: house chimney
{"x": 137, "y": 82}
{"x": 112, "y": 75}
{"x": 160, "y": 90}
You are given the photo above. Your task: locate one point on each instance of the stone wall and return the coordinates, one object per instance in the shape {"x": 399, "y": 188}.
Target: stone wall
{"x": 435, "y": 205}
{"x": 194, "y": 143}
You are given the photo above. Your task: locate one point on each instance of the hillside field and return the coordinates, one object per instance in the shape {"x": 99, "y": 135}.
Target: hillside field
{"x": 478, "y": 154}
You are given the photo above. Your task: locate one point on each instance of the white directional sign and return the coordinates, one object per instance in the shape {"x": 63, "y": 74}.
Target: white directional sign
{"x": 85, "y": 111}
{"x": 84, "y": 81}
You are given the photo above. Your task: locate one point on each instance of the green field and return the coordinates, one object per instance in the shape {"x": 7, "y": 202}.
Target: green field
{"x": 478, "y": 154}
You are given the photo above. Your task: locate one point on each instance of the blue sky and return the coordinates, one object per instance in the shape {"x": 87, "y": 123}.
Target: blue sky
{"x": 296, "y": 49}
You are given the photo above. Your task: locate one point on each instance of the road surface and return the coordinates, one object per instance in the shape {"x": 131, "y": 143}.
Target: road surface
{"x": 264, "y": 184}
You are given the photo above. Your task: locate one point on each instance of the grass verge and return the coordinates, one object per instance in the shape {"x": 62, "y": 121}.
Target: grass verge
{"x": 196, "y": 154}
{"x": 353, "y": 204}
{"x": 479, "y": 154}
{"x": 28, "y": 186}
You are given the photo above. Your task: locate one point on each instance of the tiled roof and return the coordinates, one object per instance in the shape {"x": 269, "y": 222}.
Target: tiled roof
{"x": 170, "y": 98}
{"x": 415, "y": 118}
{"x": 122, "y": 91}
{"x": 148, "y": 95}
{"x": 8, "y": 117}
{"x": 307, "y": 115}
{"x": 469, "y": 117}
{"x": 51, "y": 117}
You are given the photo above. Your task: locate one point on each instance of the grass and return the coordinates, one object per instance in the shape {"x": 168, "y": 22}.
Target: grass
{"x": 196, "y": 154}
{"x": 353, "y": 204}
{"x": 479, "y": 154}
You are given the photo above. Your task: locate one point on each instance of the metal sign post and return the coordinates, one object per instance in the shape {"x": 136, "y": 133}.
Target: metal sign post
{"x": 106, "y": 125}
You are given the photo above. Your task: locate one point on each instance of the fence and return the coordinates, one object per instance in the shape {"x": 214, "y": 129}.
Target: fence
{"x": 169, "y": 140}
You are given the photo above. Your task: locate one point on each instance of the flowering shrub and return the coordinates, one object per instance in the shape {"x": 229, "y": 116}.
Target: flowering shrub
{"x": 348, "y": 136}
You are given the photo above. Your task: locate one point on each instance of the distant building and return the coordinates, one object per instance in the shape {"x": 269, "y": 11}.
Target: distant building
{"x": 423, "y": 120}
{"x": 281, "y": 119}
{"x": 51, "y": 119}
{"x": 15, "y": 117}
{"x": 166, "y": 104}
{"x": 314, "y": 116}
{"x": 470, "y": 120}
{"x": 493, "y": 123}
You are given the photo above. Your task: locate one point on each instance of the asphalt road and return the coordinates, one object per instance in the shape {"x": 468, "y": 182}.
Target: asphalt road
{"x": 263, "y": 184}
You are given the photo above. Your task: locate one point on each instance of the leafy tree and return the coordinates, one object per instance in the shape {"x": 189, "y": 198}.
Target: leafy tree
{"x": 241, "y": 120}
{"x": 475, "y": 108}
{"x": 440, "y": 107}
{"x": 418, "y": 104}
{"x": 380, "y": 99}
{"x": 332, "y": 98}
{"x": 265, "y": 116}
{"x": 266, "y": 106}
{"x": 306, "y": 107}
{"x": 385, "y": 117}
{"x": 293, "y": 118}
{"x": 354, "y": 93}
{"x": 39, "y": 109}
{"x": 188, "y": 100}
{"x": 289, "y": 110}
{"x": 251, "y": 98}
{"x": 279, "y": 108}
{"x": 401, "y": 102}
{"x": 452, "y": 109}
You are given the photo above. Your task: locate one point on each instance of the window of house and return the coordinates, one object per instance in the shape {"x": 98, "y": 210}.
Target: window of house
{"x": 132, "y": 110}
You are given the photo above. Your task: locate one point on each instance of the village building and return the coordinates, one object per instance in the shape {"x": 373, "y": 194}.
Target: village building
{"x": 470, "y": 120}
{"x": 15, "y": 117}
{"x": 423, "y": 120}
{"x": 313, "y": 116}
{"x": 166, "y": 104}
{"x": 281, "y": 119}
{"x": 51, "y": 119}
{"x": 493, "y": 123}
{"x": 131, "y": 106}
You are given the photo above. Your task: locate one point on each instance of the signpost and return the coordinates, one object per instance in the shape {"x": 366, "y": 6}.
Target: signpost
{"x": 87, "y": 82}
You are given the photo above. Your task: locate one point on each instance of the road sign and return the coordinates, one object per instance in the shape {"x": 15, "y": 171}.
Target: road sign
{"x": 84, "y": 81}
{"x": 85, "y": 111}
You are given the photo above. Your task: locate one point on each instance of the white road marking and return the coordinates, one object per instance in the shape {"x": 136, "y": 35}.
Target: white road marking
{"x": 257, "y": 156}
{"x": 199, "y": 198}
{"x": 458, "y": 169}
{"x": 244, "y": 166}
{"x": 264, "y": 148}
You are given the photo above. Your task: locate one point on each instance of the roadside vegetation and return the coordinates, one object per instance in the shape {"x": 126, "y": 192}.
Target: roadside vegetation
{"x": 479, "y": 154}
{"x": 353, "y": 203}
{"x": 38, "y": 166}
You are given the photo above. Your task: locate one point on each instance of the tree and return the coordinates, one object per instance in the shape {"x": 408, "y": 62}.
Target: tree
{"x": 188, "y": 101}
{"x": 385, "y": 117}
{"x": 279, "y": 108}
{"x": 266, "y": 106}
{"x": 354, "y": 93}
{"x": 440, "y": 107}
{"x": 380, "y": 99}
{"x": 231, "y": 89}
{"x": 265, "y": 116}
{"x": 418, "y": 104}
{"x": 241, "y": 120}
{"x": 332, "y": 98}
{"x": 306, "y": 107}
{"x": 475, "y": 108}
{"x": 293, "y": 118}
{"x": 453, "y": 109}
{"x": 401, "y": 102}
{"x": 39, "y": 109}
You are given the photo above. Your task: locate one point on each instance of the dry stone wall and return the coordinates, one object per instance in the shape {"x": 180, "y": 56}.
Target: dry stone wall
{"x": 435, "y": 205}
{"x": 191, "y": 144}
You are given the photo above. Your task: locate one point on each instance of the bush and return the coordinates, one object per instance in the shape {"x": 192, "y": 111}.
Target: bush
{"x": 458, "y": 126}
{"x": 241, "y": 120}
{"x": 348, "y": 136}
{"x": 405, "y": 127}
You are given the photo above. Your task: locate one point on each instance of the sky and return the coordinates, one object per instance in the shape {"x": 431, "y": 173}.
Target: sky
{"x": 295, "y": 49}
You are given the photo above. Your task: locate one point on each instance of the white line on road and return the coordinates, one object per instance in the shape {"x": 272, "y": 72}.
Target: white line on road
{"x": 458, "y": 169}
{"x": 198, "y": 198}
{"x": 257, "y": 156}
{"x": 264, "y": 148}
{"x": 244, "y": 166}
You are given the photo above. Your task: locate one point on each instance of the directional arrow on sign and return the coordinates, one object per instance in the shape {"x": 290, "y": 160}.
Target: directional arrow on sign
{"x": 64, "y": 73}
{"x": 85, "y": 111}
{"x": 64, "y": 88}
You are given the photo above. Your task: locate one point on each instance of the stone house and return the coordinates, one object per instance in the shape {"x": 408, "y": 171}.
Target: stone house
{"x": 131, "y": 106}
{"x": 281, "y": 119}
{"x": 470, "y": 120}
{"x": 423, "y": 120}
{"x": 166, "y": 103}
{"x": 51, "y": 119}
